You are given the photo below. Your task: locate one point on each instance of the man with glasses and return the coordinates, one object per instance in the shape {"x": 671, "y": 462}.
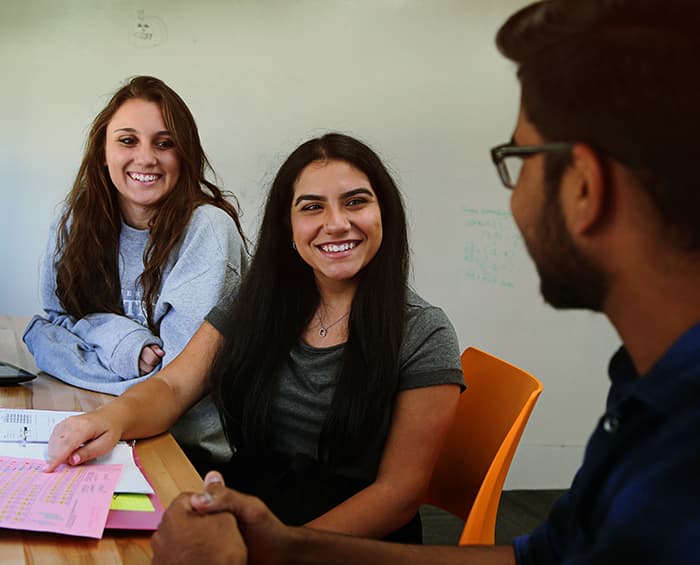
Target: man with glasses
{"x": 607, "y": 198}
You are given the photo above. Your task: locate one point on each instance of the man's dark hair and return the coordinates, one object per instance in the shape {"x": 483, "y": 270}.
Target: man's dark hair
{"x": 624, "y": 77}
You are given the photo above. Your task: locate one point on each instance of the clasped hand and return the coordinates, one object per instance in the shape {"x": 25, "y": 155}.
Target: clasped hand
{"x": 210, "y": 527}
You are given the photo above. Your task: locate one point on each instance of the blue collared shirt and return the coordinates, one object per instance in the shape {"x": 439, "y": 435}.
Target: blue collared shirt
{"x": 636, "y": 497}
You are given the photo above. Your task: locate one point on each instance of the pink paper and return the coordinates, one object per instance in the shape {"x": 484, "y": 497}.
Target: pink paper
{"x": 71, "y": 500}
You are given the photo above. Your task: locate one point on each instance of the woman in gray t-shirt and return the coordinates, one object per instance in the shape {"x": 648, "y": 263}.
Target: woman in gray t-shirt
{"x": 335, "y": 384}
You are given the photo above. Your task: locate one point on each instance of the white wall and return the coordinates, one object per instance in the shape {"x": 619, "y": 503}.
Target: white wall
{"x": 420, "y": 81}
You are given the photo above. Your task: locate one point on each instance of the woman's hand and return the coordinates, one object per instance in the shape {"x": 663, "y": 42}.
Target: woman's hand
{"x": 150, "y": 358}
{"x": 80, "y": 438}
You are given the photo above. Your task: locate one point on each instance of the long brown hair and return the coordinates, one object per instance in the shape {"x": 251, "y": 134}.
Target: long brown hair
{"x": 87, "y": 270}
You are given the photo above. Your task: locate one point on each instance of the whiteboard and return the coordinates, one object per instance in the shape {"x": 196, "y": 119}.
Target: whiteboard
{"x": 419, "y": 81}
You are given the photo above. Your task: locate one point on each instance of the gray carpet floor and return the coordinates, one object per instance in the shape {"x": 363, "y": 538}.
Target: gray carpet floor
{"x": 519, "y": 512}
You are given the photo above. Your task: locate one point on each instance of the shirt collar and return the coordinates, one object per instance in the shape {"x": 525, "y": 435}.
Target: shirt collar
{"x": 671, "y": 380}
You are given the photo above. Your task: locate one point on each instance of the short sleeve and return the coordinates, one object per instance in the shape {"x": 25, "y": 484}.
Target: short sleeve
{"x": 218, "y": 315}
{"x": 430, "y": 353}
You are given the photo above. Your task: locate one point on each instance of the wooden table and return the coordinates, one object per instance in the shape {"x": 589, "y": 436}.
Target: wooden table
{"x": 162, "y": 459}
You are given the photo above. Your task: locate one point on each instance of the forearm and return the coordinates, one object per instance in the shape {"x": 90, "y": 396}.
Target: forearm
{"x": 374, "y": 512}
{"x": 145, "y": 410}
{"x": 153, "y": 406}
{"x": 118, "y": 340}
{"x": 91, "y": 352}
{"x": 421, "y": 417}
{"x": 308, "y": 547}
{"x": 270, "y": 541}
{"x": 66, "y": 356}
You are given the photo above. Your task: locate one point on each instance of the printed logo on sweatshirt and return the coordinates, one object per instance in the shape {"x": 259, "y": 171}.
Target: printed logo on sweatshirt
{"x": 133, "y": 305}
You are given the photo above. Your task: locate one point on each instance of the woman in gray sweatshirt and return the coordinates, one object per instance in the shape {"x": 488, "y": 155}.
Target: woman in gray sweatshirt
{"x": 144, "y": 247}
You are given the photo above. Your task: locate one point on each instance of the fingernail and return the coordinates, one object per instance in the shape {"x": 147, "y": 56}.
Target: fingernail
{"x": 203, "y": 498}
{"x": 212, "y": 478}
{"x": 74, "y": 459}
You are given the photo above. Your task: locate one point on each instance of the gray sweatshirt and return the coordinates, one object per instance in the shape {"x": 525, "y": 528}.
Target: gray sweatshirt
{"x": 101, "y": 351}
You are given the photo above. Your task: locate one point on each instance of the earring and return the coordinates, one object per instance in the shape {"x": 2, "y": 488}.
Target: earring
{"x": 294, "y": 246}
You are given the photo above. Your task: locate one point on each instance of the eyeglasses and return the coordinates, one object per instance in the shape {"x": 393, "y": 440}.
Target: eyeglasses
{"x": 509, "y": 157}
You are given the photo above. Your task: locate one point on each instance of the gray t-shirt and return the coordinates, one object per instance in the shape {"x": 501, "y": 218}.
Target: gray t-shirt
{"x": 429, "y": 355}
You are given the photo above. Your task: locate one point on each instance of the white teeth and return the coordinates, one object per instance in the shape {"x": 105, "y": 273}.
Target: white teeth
{"x": 332, "y": 248}
{"x": 143, "y": 177}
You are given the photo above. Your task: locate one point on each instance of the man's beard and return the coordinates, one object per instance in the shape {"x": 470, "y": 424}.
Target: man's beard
{"x": 568, "y": 279}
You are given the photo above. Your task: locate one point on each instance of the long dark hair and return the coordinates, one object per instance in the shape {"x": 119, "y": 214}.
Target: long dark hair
{"x": 279, "y": 296}
{"x": 87, "y": 271}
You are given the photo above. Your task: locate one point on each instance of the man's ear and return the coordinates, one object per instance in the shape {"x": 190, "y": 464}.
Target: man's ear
{"x": 584, "y": 191}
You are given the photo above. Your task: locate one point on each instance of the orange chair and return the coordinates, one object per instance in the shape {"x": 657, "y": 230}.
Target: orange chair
{"x": 474, "y": 460}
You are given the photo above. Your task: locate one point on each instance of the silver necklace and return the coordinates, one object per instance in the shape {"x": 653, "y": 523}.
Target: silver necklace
{"x": 323, "y": 330}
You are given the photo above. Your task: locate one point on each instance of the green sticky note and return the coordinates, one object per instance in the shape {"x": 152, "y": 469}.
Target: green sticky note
{"x": 134, "y": 502}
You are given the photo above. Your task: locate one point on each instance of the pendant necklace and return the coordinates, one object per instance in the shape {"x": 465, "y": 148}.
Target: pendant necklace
{"x": 323, "y": 330}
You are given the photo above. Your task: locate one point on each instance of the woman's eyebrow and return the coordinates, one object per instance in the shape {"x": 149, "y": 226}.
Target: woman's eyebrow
{"x": 304, "y": 197}
{"x": 348, "y": 194}
{"x": 132, "y": 130}
{"x": 356, "y": 191}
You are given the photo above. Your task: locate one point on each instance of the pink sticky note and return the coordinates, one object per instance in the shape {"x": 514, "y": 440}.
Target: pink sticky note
{"x": 71, "y": 500}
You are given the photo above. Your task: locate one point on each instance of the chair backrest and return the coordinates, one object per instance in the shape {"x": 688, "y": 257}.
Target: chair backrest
{"x": 475, "y": 458}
